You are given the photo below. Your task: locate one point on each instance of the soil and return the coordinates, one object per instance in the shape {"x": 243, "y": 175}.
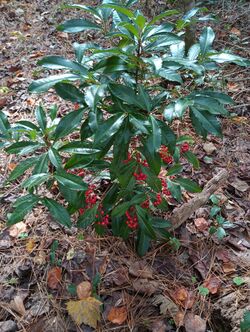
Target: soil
{"x": 163, "y": 291}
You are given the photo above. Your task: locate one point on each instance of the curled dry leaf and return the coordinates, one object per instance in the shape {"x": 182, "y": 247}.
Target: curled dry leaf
{"x": 201, "y": 224}
{"x": 194, "y": 323}
{"x": 17, "y": 305}
{"x": 141, "y": 269}
{"x": 17, "y": 229}
{"x": 84, "y": 290}
{"x": 184, "y": 297}
{"x": 146, "y": 286}
{"x": 54, "y": 277}
{"x": 117, "y": 315}
{"x": 213, "y": 284}
{"x": 85, "y": 311}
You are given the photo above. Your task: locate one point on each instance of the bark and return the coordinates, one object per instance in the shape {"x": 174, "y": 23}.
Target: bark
{"x": 191, "y": 28}
{"x": 181, "y": 214}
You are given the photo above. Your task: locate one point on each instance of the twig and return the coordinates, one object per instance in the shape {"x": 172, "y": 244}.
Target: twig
{"x": 181, "y": 214}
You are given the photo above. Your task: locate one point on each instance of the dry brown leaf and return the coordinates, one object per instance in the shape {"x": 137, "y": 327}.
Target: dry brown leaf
{"x": 179, "y": 318}
{"x": 84, "y": 290}
{"x": 167, "y": 306}
{"x": 146, "y": 286}
{"x": 201, "y": 224}
{"x": 17, "y": 305}
{"x": 213, "y": 284}
{"x": 117, "y": 315}
{"x": 85, "y": 311}
{"x": 11, "y": 166}
{"x": 141, "y": 269}
{"x": 235, "y": 31}
{"x": 159, "y": 326}
{"x": 194, "y": 323}
{"x": 184, "y": 297}
{"x": 40, "y": 258}
{"x": 228, "y": 267}
{"x": 231, "y": 86}
{"x": 103, "y": 266}
{"x": 17, "y": 229}
{"x": 30, "y": 245}
{"x": 54, "y": 277}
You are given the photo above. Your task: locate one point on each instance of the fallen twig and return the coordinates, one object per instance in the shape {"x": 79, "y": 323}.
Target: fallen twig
{"x": 182, "y": 213}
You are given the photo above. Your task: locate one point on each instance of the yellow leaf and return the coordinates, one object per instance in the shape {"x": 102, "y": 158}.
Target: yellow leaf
{"x": 30, "y": 245}
{"x": 85, "y": 311}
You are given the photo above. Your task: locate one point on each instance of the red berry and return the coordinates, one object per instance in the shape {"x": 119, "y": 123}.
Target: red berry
{"x": 185, "y": 147}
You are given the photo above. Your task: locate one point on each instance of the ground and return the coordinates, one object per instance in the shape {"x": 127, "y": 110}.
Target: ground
{"x": 166, "y": 288}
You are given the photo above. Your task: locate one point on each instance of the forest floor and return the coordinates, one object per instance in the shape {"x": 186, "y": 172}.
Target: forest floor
{"x": 203, "y": 285}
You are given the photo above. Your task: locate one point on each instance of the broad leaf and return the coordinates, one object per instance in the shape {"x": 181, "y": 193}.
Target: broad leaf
{"x": 22, "y": 167}
{"x": 78, "y": 25}
{"x": 23, "y": 147}
{"x": 188, "y": 185}
{"x": 69, "y": 92}
{"x": 78, "y": 147}
{"x": 35, "y": 180}
{"x": 68, "y": 123}
{"x": 44, "y": 84}
{"x": 206, "y": 39}
{"x": 71, "y": 181}
{"x": 41, "y": 117}
{"x": 58, "y": 212}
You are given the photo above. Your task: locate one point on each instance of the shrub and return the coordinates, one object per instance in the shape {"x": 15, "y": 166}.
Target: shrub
{"x": 114, "y": 158}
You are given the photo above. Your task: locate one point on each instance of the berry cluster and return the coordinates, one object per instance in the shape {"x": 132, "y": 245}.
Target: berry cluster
{"x": 158, "y": 200}
{"x": 185, "y": 147}
{"x": 140, "y": 176}
{"x": 79, "y": 172}
{"x": 90, "y": 196}
{"x": 145, "y": 204}
{"x": 132, "y": 220}
{"x": 102, "y": 219}
{"x": 165, "y": 156}
{"x": 165, "y": 189}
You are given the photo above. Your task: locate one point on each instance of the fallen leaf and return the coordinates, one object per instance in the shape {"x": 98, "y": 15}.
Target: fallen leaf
{"x": 209, "y": 148}
{"x": 117, "y": 315}
{"x": 228, "y": 267}
{"x": 231, "y": 86}
{"x": 11, "y": 166}
{"x": 239, "y": 185}
{"x": 31, "y": 101}
{"x": 3, "y": 102}
{"x": 179, "y": 318}
{"x": 141, "y": 269}
{"x": 184, "y": 297}
{"x": 119, "y": 277}
{"x": 30, "y": 245}
{"x": 201, "y": 224}
{"x": 84, "y": 290}
{"x": 40, "y": 258}
{"x": 17, "y": 305}
{"x": 194, "y": 323}
{"x": 146, "y": 286}
{"x": 235, "y": 31}
{"x": 17, "y": 229}
{"x": 167, "y": 306}
{"x": 54, "y": 277}
{"x": 36, "y": 54}
{"x": 70, "y": 254}
{"x": 159, "y": 326}
{"x": 103, "y": 266}
{"x": 85, "y": 311}
{"x": 213, "y": 284}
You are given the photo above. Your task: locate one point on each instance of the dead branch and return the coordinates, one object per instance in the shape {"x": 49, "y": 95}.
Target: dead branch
{"x": 182, "y": 213}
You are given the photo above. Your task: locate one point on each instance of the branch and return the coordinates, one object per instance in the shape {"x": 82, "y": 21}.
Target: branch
{"x": 182, "y": 213}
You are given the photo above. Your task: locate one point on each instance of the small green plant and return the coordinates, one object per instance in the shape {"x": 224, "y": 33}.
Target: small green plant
{"x": 203, "y": 290}
{"x": 238, "y": 281}
{"x": 245, "y": 323}
{"x": 219, "y": 222}
{"x": 114, "y": 158}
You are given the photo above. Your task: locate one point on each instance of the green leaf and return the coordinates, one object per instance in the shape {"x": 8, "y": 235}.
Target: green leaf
{"x": 152, "y": 157}
{"x": 23, "y": 147}
{"x": 214, "y": 210}
{"x": 29, "y": 126}
{"x": 35, "y": 180}
{"x": 206, "y": 39}
{"x": 78, "y": 147}
{"x": 44, "y": 84}
{"x": 59, "y": 62}
{"x": 145, "y": 222}
{"x": 4, "y": 123}
{"x": 41, "y": 117}
{"x": 120, "y": 9}
{"x": 176, "y": 109}
{"x": 219, "y": 96}
{"x": 160, "y": 223}
{"x": 69, "y": 92}
{"x": 191, "y": 158}
{"x": 176, "y": 169}
{"x": 68, "y": 123}
{"x": 155, "y": 138}
{"x": 175, "y": 189}
{"x": 162, "y": 15}
{"x": 170, "y": 75}
{"x": 215, "y": 199}
{"x": 220, "y": 233}
{"x": 42, "y": 164}
{"x": 78, "y": 25}
{"x": 227, "y": 57}
{"x": 21, "y": 208}
{"x": 245, "y": 323}
{"x": 87, "y": 218}
{"x": 152, "y": 180}
{"x": 55, "y": 158}
{"x": 161, "y": 43}
{"x": 168, "y": 137}
{"x": 21, "y": 168}
{"x": 120, "y": 209}
{"x": 58, "y": 212}
{"x": 94, "y": 94}
{"x": 238, "y": 281}
{"x": 143, "y": 243}
{"x": 71, "y": 181}
{"x": 188, "y": 185}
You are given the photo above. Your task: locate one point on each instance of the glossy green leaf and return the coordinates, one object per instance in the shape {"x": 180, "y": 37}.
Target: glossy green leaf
{"x": 227, "y": 57}
{"x": 158, "y": 222}
{"x": 142, "y": 243}
{"x": 175, "y": 189}
{"x": 191, "y": 157}
{"x": 188, "y": 185}
{"x": 4, "y": 123}
{"x": 42, "y": 164}
{"x": 22, "y": 167}
{"x": 35, "y": 180}
{"x": 176, "y": 169}
{"x": 245, "y": 323}
{"x": 55, "y": 157}
{"x": 23, "y": 147}
{"x": 58, "y": 62}
{"x": 69, "y": 92}
{"x": 208, "y": 122}
{"x": 58, "y": 212}
{"x": 164, "y": 14}
{"x": 68, "y": 123}
{"x": 41, "y": 117}
{"x": 206, "y": 39}
{"x": 87, "y": 218}
{"x": 145, "y": 222}
{"x": 44, "y": 84}
{"x": 78, "y": 25}
{"x": 170, "y": 75}
{"x": 71, "y": 181}
{"x": 78, "y": 147}
{"x": 22, "y": 207}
